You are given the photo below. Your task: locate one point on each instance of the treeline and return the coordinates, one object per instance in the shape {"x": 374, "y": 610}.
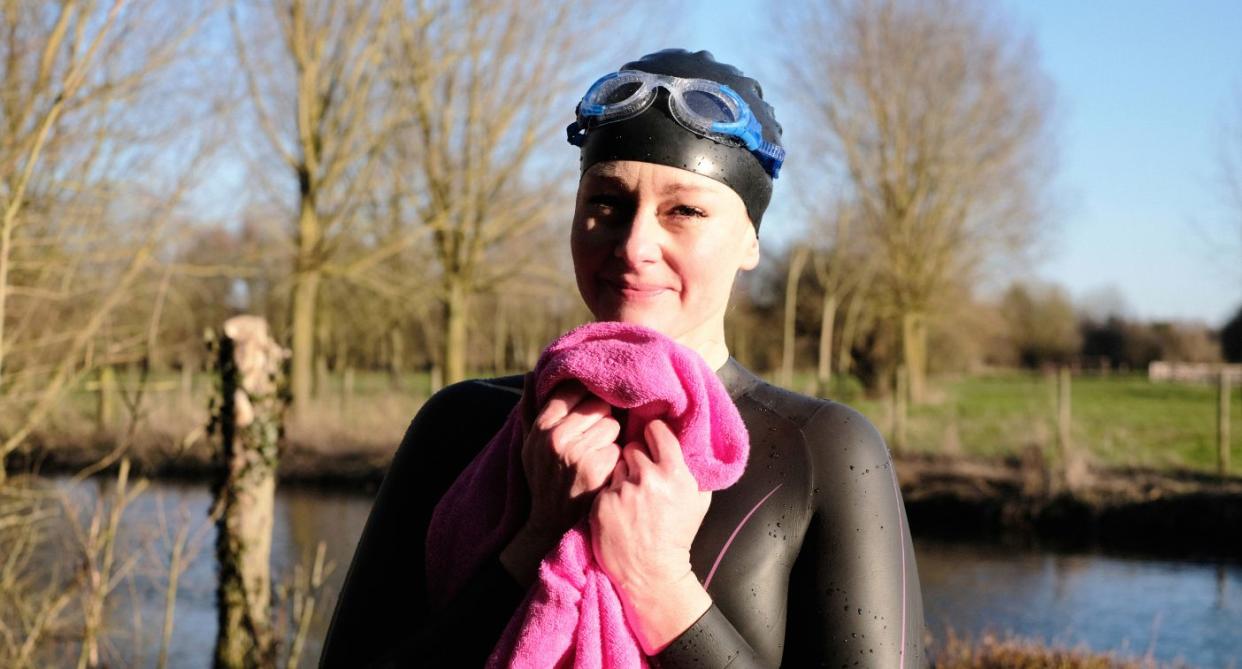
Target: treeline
{"x": 1029, "y": 324}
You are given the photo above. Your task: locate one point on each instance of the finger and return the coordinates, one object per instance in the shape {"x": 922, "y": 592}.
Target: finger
{"x": 563, "y": 399}
{"x": 604, "y": 430}
{"x": 664, "y": 446}
{"x": 594, "y": 468}
{"x": 583, "y": 416}
{"x": 620, "y": 474}
{"x": 596, "y": 453}
{"x": 636, "y": 459}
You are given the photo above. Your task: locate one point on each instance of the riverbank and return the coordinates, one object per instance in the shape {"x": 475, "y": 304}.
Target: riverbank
{"x": 1165, "y": 513}
{"x": 1017, "y": 499}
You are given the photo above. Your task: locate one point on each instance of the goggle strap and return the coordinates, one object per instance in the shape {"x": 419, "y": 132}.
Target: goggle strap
{"x": 576, "y": 135}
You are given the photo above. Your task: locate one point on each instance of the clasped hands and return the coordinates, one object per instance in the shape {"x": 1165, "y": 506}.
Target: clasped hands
{"x": 643, "y": 503}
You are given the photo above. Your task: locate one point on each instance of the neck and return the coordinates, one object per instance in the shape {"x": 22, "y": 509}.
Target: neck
{"x": 708, "y": 342}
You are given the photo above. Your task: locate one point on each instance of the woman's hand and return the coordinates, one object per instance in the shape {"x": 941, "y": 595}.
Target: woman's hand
{"x": 642, "y": 526}
{"x": 568, "y": 455}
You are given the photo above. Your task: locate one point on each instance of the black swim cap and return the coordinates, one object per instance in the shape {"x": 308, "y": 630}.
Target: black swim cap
{"x": 655, "y": 137}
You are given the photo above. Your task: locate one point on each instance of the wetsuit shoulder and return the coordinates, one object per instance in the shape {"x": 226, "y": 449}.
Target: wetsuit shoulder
{"x": 838, "y": 438}
{"x": 855, "y": 582}
{"x": 824, "y": 422}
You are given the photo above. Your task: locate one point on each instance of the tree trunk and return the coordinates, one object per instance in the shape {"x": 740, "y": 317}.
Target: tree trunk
{"x": 853, "y": 314}
{"x": 914, "y": 353}
{"x": 6, "y": 245}
{"x": 498, "y": 343}
{"x": 396, "y": 348}
{"x": 106, "y": 406}
{"x": 456, "y": 306}
{"x": 901, "y": 392}
{"x": 249, "y": 420}
{"x": 796, "y": 262}
{"x": 826, "y": 323}
{"x": 305, "y": 299}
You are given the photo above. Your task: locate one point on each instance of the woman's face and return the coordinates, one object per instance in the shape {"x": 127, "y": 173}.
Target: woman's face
{"x": 660, "y": 247}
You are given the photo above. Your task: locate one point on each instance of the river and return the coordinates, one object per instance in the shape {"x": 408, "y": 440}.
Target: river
{"x": 1190, "y": 611}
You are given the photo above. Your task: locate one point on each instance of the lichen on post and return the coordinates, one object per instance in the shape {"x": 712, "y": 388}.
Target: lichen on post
{"x": 247, "y": 412}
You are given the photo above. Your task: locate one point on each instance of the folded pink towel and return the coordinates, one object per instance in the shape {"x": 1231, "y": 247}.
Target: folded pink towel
{"x": 572, "y": 616}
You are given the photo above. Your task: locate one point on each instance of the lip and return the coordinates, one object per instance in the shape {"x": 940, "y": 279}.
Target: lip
{"x": 634, "y": 290}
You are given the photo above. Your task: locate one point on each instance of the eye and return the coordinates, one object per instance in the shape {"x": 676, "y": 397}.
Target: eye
{"x": 605, "y": 204}
{"x": 687, "y": 211}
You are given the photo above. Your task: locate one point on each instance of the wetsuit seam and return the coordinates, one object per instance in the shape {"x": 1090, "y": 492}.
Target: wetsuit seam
{"x": 811, "y": 488}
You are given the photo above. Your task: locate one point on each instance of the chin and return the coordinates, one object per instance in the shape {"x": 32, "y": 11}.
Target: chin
{"x": 636, "y": 316}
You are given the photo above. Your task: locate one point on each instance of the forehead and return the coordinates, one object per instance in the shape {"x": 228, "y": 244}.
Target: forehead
{"x": 663, "y": 179}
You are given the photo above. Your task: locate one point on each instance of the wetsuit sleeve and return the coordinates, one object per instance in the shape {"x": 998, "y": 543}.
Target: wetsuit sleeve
{"x": 711, "y": 642}
{"x": 854, "y": 597}
{"x": 382, "y": 616}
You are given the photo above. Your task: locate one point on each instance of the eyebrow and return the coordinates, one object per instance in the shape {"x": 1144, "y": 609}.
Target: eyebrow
{"x": 608, "y": 180}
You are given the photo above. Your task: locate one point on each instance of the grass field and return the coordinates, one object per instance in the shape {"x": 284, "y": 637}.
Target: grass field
{"x": 1119, "y": 420}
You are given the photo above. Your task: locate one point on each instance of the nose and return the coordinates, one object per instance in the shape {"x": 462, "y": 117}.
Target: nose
{"x": 639, "y": 244}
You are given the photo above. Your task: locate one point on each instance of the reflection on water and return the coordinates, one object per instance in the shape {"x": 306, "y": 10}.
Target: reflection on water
{"x": 1187, "y": 610}
{"x": 304, "y": 517}
{"x": 1191, "y": 611}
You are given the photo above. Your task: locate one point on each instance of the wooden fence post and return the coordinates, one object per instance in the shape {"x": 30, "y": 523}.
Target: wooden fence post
{"x": 247, "y": 412}
{"x": 1222, "y": 425}
{"x": 1073, "y": 465}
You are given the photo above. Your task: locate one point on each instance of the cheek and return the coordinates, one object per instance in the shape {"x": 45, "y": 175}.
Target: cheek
{"x": 587, "y": 261}
{"x": 709, "y": 272}
{"x": 583, "y": 250}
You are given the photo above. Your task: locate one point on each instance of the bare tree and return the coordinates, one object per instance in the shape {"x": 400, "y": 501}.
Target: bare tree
{"x": 318, "y": 96}
{"x": 85, "y": 108}
{"x": 842, "y": 267}
{"x": 485, "y": 84}
{"x": 936, "y": 120}
{"x": 798, "y": 257}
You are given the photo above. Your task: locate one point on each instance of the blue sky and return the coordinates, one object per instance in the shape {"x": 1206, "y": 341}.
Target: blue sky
{"x": 1141, "y": 91}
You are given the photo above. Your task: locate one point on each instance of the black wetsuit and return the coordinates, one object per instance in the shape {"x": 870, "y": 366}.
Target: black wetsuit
{"x": 809, "y": 555}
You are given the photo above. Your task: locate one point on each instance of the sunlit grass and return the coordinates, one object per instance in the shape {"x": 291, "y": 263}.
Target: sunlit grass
{"x": 1118, "y": 420}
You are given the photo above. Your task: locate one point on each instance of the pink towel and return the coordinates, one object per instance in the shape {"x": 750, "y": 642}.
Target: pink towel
{"x": 572, "y": 616}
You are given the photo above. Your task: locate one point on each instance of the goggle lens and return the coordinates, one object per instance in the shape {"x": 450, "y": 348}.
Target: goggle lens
{"x": 709, "y": 106}
{"x": 618, "y": 93}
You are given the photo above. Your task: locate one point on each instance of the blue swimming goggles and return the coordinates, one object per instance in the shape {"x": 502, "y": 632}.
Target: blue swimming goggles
{"x": 702, "y": 106}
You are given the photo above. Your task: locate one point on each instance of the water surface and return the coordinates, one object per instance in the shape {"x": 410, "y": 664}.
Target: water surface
{"x": 1186, "y": 610}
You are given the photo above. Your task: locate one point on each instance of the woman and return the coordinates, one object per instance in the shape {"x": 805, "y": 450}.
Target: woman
{"x": 805, "y": 561}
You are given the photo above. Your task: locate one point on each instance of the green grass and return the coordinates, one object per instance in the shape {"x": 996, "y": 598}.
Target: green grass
{"x": 1118, "y": 420}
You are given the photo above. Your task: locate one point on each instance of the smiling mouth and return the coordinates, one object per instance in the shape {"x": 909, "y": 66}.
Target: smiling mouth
{"x": 633, "y": 291}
